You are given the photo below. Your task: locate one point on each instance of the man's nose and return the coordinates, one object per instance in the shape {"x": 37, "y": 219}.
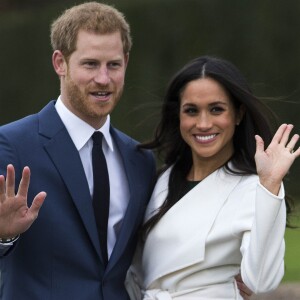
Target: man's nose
{"x": 102, "y": 76}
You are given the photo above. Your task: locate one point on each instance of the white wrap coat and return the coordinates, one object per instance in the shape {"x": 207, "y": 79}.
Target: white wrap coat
{"x": 226, "y": 225}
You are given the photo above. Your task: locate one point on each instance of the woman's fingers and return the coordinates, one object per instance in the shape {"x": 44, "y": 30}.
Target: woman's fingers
{"x": 292, "y": 143}
{"x": 283, "y": 140}
{"x": 259, "y": 144}
{"x": 285, "y": 134}
{"x": 278, "y": 134}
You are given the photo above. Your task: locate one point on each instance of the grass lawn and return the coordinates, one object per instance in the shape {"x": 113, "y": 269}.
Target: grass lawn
{"x": 292, "y": 254}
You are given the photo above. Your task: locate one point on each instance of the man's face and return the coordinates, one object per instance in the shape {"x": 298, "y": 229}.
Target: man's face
{"x": 94, "y": 78}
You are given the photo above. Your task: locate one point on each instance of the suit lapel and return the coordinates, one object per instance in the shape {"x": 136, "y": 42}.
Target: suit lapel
{"x": 66, "y": 159}
{"x": 129, "y": 158}
{"x": 183, "y": 229}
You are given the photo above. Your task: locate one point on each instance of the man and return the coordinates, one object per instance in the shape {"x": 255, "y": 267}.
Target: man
{"x": 54, "y": 252}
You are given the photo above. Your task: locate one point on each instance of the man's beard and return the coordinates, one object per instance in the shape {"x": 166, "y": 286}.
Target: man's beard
{"x": 83, "y": 107}
{"x": 78, "y": 99}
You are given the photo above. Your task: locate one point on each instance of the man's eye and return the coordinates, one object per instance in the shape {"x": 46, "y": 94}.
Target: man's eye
{"x": 115, "y": 65}
{"x": 90, "y": 64}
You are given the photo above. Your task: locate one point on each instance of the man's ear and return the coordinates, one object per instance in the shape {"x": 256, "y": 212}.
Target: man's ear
{"x": 126, "y": 59}
{"x": 59, "y": 63}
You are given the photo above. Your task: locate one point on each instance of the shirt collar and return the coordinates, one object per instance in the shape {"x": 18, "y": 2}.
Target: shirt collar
{"x": 80, "y": 131}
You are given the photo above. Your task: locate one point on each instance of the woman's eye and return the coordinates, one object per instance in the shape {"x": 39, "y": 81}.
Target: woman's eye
{"x": 217, "y": 109}
{"x": 190, "y": 110}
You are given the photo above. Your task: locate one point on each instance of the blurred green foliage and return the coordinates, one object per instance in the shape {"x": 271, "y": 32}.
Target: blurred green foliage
{"x": 292, "y": 254}
{"x": 259, "y": 36}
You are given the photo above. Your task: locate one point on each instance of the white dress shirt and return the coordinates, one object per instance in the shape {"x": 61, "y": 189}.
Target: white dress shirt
{"x": 80, "y": 133}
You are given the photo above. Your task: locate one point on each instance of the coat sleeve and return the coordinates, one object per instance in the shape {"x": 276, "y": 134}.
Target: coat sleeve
{"x": 263, "y": 246}
{"x": 133, "y": 281}
{"x": 7, "y": 154}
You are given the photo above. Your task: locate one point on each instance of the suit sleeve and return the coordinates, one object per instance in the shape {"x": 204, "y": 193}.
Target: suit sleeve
{"x": 8, "y": 156}
{"x": 263, "y": 246}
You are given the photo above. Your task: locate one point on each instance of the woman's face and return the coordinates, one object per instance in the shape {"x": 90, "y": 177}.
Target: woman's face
{"x": 207, "y": 120}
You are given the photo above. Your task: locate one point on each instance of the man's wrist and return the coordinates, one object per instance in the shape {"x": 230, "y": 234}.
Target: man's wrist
{"x": 9, "y": 240}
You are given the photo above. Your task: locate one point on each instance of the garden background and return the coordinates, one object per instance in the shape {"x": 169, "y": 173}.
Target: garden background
{"x": 260, "y": 36}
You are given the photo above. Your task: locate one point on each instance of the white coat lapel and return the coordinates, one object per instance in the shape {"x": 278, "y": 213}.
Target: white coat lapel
{"x": 178, "y": 240}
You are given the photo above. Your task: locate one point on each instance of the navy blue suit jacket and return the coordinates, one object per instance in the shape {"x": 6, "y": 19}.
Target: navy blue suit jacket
{"x": 58, "y": 258}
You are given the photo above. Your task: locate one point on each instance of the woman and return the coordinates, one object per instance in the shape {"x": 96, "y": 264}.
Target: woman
{"x": 218, "y": 207}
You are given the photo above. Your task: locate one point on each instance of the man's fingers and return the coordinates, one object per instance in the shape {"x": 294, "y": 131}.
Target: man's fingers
{"x": 24, "y": 183}
{"x": 238, "y": 277}
{"x": 244, "y": 289}
{"x": 37, "y": 204}
{"x": 245, "y": 296}
{"x": 2, "y": 188}
{"x": 10, "y": 181}
{"x": 245, "y": 292}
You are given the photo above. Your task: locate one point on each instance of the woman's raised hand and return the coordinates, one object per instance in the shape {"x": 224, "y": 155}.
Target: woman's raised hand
{"x": 274, "y": 162}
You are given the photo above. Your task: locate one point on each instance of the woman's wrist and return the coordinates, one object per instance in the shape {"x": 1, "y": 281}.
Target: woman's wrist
{"x": 273, "y": 186}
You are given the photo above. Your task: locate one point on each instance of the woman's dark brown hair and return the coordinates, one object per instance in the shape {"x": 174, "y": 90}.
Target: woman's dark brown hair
{"x": 172, "y": 149}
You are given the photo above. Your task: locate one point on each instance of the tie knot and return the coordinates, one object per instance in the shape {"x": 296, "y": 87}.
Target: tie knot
{"x": 97, "y": 138}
